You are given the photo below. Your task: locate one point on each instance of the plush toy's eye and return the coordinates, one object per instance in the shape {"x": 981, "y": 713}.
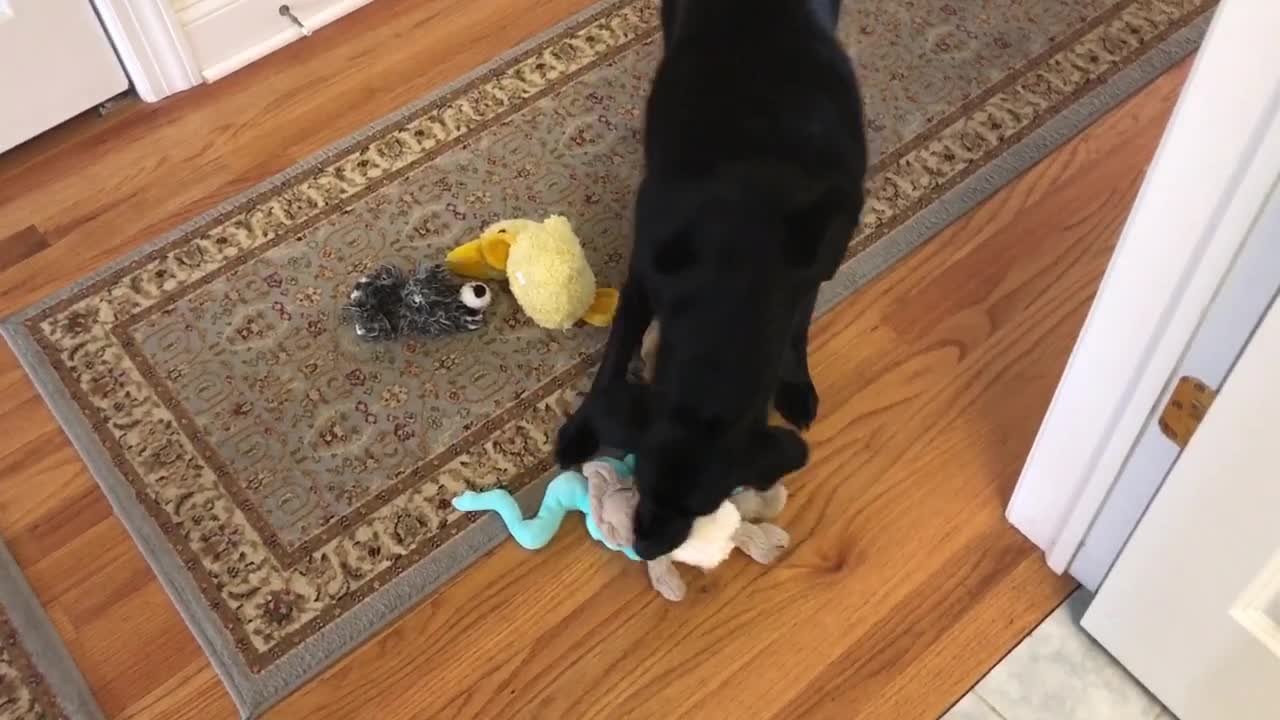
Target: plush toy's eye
{"x": 475, "y": 296}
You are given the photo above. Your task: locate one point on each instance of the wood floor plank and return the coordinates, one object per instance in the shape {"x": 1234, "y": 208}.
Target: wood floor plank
{"x": 905, "y": 583}
{"x": 21, "y": 245}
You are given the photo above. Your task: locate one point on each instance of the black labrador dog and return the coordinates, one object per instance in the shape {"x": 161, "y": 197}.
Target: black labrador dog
{"x": 755, "y": 159}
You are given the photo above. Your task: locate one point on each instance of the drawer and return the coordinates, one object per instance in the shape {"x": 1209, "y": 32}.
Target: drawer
{"x": 226, "y": 35}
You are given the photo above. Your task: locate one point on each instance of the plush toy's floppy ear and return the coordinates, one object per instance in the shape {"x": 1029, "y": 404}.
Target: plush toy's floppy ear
{"x": 756, "y": 505}
{"x": 665, "y": 578}
{"x": 763, "y": 543}
{"x": 484, "y": 258}
{"x": 610, "y": 502}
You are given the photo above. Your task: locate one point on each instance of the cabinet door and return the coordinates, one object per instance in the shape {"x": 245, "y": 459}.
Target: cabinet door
{"x": 226, "y": 35}
{"x": 55, "y": 62}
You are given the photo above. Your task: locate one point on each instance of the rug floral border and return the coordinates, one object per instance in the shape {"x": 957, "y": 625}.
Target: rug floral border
{"x": 270, "y": 598}
{"x": 20, "y": 680}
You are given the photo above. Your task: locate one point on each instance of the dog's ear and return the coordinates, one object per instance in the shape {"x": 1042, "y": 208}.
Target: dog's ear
{"x": 818, "y": 219}
{"x": 675, "y": 254}
{"x": 664, "y": 226}
{"x": 808, "y": 226}
{"x": 622, "y": 414}
{"x": 615, "y": 415}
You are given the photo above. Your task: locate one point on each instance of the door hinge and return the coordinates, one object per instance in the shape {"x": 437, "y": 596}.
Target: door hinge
{"x": 1186, "y": 409}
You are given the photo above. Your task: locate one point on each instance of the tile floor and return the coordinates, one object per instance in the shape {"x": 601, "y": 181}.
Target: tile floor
{"x": 1059, "y": 673}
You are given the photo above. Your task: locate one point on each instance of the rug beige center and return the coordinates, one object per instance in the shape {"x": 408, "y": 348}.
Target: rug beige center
{"x": 291, "y": 484}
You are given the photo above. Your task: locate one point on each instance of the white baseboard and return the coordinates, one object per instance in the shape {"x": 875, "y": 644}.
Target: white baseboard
{"x": 248, "y": 30}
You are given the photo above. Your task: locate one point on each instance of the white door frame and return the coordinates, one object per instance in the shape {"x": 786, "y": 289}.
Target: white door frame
{"x": 1210, "y": 177}
{"x": 1241, "y": 302}
{"x": 152, "y": 46}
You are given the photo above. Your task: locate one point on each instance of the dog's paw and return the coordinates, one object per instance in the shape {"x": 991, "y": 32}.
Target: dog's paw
{"x": 665, "y": 578}
{"x": 797, "y": 403}
{"x": 576, "y": 442}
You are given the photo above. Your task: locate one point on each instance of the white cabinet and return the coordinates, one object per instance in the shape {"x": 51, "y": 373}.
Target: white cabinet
{"x": 171, "y": 45}
{"x": 226, "y": 35}
{"x": 55, "y": 62}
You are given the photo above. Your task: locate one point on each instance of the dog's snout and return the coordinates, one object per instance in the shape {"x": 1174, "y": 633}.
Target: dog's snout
{"x": 659, "y": 531}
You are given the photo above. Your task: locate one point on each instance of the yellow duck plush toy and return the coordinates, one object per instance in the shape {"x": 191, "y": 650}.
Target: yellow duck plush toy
{"x": 546, "y": 268}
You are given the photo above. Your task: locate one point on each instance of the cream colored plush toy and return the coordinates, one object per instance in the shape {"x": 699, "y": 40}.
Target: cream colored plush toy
{"x": 546, "y": 268}
{"x": 612, "y": 500}
{"x": 736, "y": 523}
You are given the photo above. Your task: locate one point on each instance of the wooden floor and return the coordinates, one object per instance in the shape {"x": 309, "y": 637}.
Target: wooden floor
{"x": 905, "y": 583}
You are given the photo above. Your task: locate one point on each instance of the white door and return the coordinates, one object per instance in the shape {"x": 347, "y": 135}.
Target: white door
{"x": 55, "y": 62}
{"x": 1192, "y": 606}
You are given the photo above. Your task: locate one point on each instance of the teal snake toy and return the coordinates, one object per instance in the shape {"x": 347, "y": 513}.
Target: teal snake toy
{"x": 567, "y": 492}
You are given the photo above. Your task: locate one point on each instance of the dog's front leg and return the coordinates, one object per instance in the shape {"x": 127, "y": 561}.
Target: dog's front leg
{"x": 796, "y": 399}
{"x": 580, "y": 438}
{"x": 635, "y": 313}
{"x": 772, "y": 454}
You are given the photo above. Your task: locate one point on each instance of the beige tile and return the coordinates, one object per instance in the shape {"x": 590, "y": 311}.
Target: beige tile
{"x": 1060, "y": 673}
{"x": 971, "y": 707}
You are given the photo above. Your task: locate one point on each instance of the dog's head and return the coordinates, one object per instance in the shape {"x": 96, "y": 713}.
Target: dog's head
{"x": 686, "y": 471}
{"x": 681, "y": 474}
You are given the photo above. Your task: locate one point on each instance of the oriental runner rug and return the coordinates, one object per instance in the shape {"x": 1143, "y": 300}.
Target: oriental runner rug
{"x": 290, "y": 484}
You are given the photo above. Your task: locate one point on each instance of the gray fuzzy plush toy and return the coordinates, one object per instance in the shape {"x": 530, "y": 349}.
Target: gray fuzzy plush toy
{"x": 387, "y": 304}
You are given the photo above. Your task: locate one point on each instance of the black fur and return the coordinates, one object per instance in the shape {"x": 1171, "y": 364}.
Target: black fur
{"x": 386, "y": 304}
{"x": 756, "y": 157}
